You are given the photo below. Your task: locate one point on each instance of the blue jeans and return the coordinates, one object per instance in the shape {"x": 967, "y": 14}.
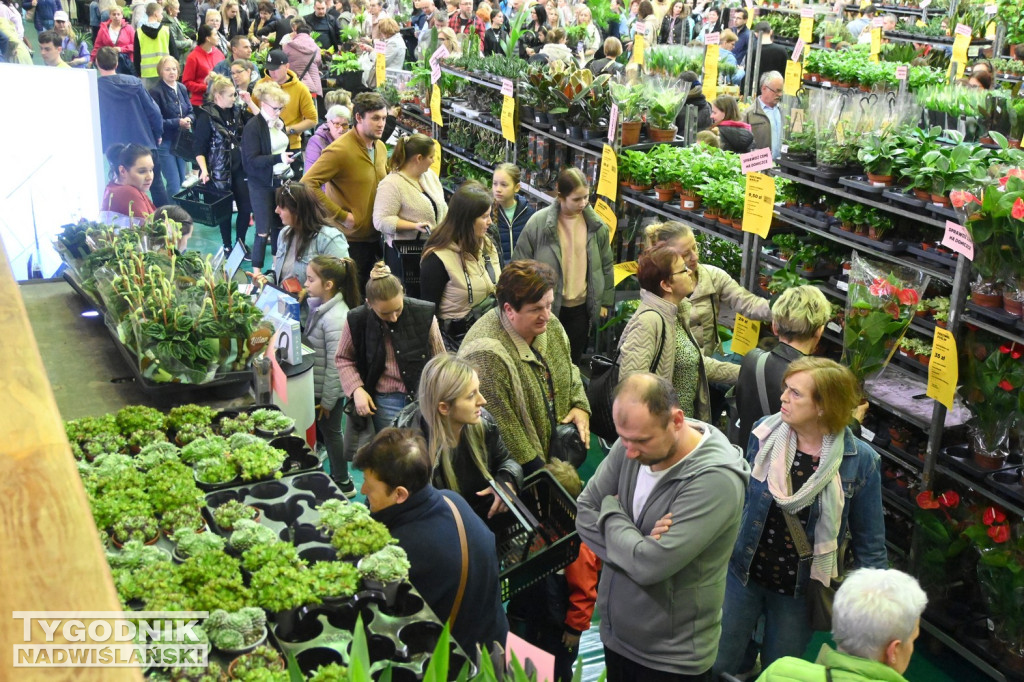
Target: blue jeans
{"x": 388, "y": 407}
{"x": 171, "y": 167}
{"x": 786, "y": 628}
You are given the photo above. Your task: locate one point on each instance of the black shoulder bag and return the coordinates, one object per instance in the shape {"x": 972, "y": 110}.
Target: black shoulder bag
{"x": 565, "y": 443}
{"x": 604, "y": 377}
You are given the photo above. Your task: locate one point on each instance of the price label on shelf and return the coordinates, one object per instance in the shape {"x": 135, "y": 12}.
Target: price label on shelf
{"x": 507, "y": 88}
{"x": 607, "y": 214}
{"x": 901, "y": 72}
{"x": 639, "y": 46}
{"x": 613, "y": 122}
{"x": 435, "y": 106}
{"x": 834, "y": 327}
{"x": 798, "y": 50}
{"x": 759, "y": 204}
{"x": 991, "y": 10}
{"x": 435, "y": 72}
{"x": 711, "y": 72}
{"x": 923, "y": 4}
{"x": 379, "y": 46}
{"x": 745, "y": 334}
{"x": 794, "y": 77}
{"x": 621, "y": 271}
{"x": 508, "y": 118}
{"x": 436, "y": 164}
{"x": 757, "y": 160}
{"x": 806, "y": 12}
{"x": 807, "y": 29}
{"x": 381, "y": 69}
{"x": 867, "y": 435}
{"x": 843, "y": 285}
{"x": 609, "y": 180}
{"x": 959, "y": 239}
{"x": 713, "y": 38}
{"x": 943, "y": 370}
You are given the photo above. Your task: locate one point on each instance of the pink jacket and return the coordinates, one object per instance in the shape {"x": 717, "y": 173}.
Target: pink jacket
{"x": 300, "y": 50}
{"x": 125, "y": 40}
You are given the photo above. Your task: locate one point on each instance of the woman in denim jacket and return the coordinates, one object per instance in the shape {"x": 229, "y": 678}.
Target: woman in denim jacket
{"x": 806, "y": 462}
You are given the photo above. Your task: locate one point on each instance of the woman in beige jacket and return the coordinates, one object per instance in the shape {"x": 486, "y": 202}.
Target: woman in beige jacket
{"x": 409, "y": 202}
{"x": 657, "y": 339}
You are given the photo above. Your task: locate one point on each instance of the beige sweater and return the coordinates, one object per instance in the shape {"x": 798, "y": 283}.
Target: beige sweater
{"x": 401, "y": 197}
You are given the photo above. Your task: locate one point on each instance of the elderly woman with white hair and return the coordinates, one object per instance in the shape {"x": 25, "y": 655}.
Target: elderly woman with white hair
{"x": 339, "y": 118}
{"x": 876, "y": 617}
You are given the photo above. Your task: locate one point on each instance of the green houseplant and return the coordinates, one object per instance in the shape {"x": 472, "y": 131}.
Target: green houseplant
{"x": 878, "y": 154}
{"x": 666, "y": 100}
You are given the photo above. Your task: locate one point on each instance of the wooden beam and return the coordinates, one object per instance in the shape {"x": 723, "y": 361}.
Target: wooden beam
{"x": 51, "y": 558}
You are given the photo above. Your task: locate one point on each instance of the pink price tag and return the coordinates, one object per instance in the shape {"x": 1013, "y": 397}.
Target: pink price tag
{"x": 991, "y": 9}
{"x": 901, "y": 73}
{"x": 613, "y": 120}
{"x": 924, "y": 4}
{"x": 711, "y": 39}
{"x": 877, "y": 22}
{"x": 439, "y": 54}
{"x": 806, "y": 12}
{"x": 798, "y": 50}
{"x": 963, "y": 30}
{"x": 640, "y": 27}
{"x": 435, "y": 72}
{"x": 757, "y": 160}
{"x": 959, "y": 239}
{"x": 507, "y": 89}
{"x": 379, "y": 46}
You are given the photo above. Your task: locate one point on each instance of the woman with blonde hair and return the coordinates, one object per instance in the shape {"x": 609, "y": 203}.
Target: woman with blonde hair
{"x": 394, "y": 51}
{"x": 447, "y": 37}
{"x": 465, "y": 446}
{"x": 214, "y": 21}
{"x": 233, "y": 19}
{"x": 266, "y": 160}
{"x": 410, "y": 201}
{"x": 176, "y": 111}
{"x": 217, "y": 145}
{"x": 460, "y": 266}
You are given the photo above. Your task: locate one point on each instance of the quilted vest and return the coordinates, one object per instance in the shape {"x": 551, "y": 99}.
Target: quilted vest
{"x": 410, "y": 337}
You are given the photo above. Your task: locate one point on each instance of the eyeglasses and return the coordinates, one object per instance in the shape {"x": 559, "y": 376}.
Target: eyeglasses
{"x": 777, "y": 92}
{"x": 276, "y": 109}
{"x": 237, "y": 72}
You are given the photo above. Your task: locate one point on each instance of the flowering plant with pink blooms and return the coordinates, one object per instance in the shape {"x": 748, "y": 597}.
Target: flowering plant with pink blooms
{"x": 994, "y": 215}
{"x": 880, "y": 305}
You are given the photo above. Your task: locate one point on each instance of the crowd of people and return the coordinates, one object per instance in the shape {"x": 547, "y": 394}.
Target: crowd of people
{"x": 703, "y": 541}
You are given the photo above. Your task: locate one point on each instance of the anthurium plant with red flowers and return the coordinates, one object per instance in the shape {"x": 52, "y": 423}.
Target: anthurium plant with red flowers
{"x": 879, "y": 307}
{"x": 994, "y": 214}
{"x": 995, "y": 374}
{"x": 941, "y": 519}
{"x": 1001, "y": 573}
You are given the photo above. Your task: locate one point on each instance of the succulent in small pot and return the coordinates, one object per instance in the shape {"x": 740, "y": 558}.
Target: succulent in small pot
{"x": 233, "y": 511}
{"x": 243, "y": 423}
{"x": 248, "y": 534}
{"x": 197, "y": 415}
{"x": 258, "y": 461}
{"x": 238, "y": 631}
{"x": 334, "y": 579}
{"x": 208, "y": 447}
{"x": 104, "y": 444}
{"x": 154, "y": 454}
{"x": 190, "y": 432}
{"x": 272, "y": 422}
{"x": 190, "y": 543}
{"x": 261, "y": 658}
{"x": 134, "y": 418}
{"x": 384, "y": 571}
{"x": 332, "y": 672}
{"x": 183, "y": 518}
{"x": 140, "y": 439}
{"x": 142, "y": 528}
{"x": 213, "y": 471}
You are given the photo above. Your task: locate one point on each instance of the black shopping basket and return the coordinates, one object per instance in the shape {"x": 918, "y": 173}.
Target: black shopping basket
{"x": 206, "y": 204}
{"x": 538, "y": 536}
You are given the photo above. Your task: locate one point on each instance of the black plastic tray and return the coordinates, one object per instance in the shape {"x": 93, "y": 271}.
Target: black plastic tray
{"x": 1008, "y": 481}
{"x": 790, "y": 214}
{"x": 897, "y": 246}
{"x": 959, "y": 457}
{"x": 996, "y": 315}
{"x": 860, "y": 184}
{"x": 944, "y": 212}
{"x": 902, "y": 197}
{"x": 947, "y": 260}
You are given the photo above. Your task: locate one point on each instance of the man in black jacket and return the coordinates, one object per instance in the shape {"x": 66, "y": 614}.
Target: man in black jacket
{"x": 799, "y": 317}
{"x": 324, "y": 25}
{"x": 773, "y": 57}
{"x": 396, "y": 471}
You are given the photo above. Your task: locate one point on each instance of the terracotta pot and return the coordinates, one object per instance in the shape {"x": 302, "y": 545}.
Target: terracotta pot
{"x": 737, "y": 223}
{"x": 924, "y": 359}
{"x": 988, "y": 461}
{"x": 711, "y": 213}
{"x": 659, "y": 135}
{"x": 941, "y": 200}
{"x": 940, "y": 323}
{"x": 1012, "y": 306}
{"x": 689, "y": 201}
{"x": 725, "y": 220}
{"x": 880, "y": 180}
{"x": 665, "y": 193}
{"x": 921, "y": 194}
{"x": 986, "y": 300}
{"x": 846, "y": 227}
{"x": 638, "y": 188}
{"x": 985, "y": 139}
{"x": 1014, "y": 144}
{"x": 631, "y": 132}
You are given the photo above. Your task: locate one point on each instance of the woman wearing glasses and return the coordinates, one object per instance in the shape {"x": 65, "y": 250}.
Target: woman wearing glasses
{"x": 266, "y": 159}
{"x": 242, "y": 76}
{"x": 216, "y": 145}
{"x": 657, "y": 339}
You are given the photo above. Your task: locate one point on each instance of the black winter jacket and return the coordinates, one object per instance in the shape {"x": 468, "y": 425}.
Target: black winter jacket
{"x": 505, "y": 234}
{"x": 217, "y": 138}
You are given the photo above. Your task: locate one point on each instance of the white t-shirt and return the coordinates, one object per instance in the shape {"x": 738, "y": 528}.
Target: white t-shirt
{"x": 647, "y": 479}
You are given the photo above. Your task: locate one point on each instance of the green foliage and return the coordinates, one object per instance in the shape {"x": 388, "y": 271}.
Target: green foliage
{"x": 237, "y": 629}
{"x": 231, "y": 512}
{"x": 388, "y": 564}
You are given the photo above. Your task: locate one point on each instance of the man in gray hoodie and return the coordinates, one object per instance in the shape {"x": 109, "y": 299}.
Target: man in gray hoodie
{"x": 662, "y": 512}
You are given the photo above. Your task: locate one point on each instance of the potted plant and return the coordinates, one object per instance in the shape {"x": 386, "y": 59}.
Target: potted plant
{"x": 666, "y": 100}
{"x": 641, "y": 167}
{"x": 384, "y": 570}
{"x": 334, "y": 580}
{"x": 879, "y": 224}
{"x": 257, "y": 461}
{"x": 190, "y": 414}
{"x": 335, "y": 672}
{"x": 241, "y": 423}
{"x": 272, "y": 423}
{"x": 664, "y": 177}
{"x": 787, "y": 244}
{"x": 954, "y": 167}
{"x": 263, "y": 657}
{"x": 236, "y": 632}
{"x": 632, "y": 102}
{"x": 248, "y": 534}
{"x": 878, "y": 154}
{"x": 134, "y": 418}
{"x": 215, "y": 471}
{"x": 995, "y": 374}
{"x": 136, "y": 527}
{"x": 233, "y": 511}
{"x": 353, "y": 533}
{"x": 189, "y": 543}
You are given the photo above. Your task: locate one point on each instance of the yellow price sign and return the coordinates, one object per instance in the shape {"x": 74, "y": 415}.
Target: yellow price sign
{"x": 794, "y": 77}
{"x": 943, "y": 369}
{"x": 876, "y": 43}
{"x": 436, "y": 164}
{"x": 711, "y": 72}
{"x": 435, "y": 106}
{"x": 608, "y": 183}
{"x": 961, "y": 42}
{"x": 639, "y": 47}
{"x": 807, "y": 30}
{"x": 381, "y": 70}
{"x": 841, "y": 132}
{"x": 623, "y": 270}
{"x": 759, "y": 204}
{"x": 508, "y": 118}
{"x": 607, "y": 214}
{"x": 745, "y": 334}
